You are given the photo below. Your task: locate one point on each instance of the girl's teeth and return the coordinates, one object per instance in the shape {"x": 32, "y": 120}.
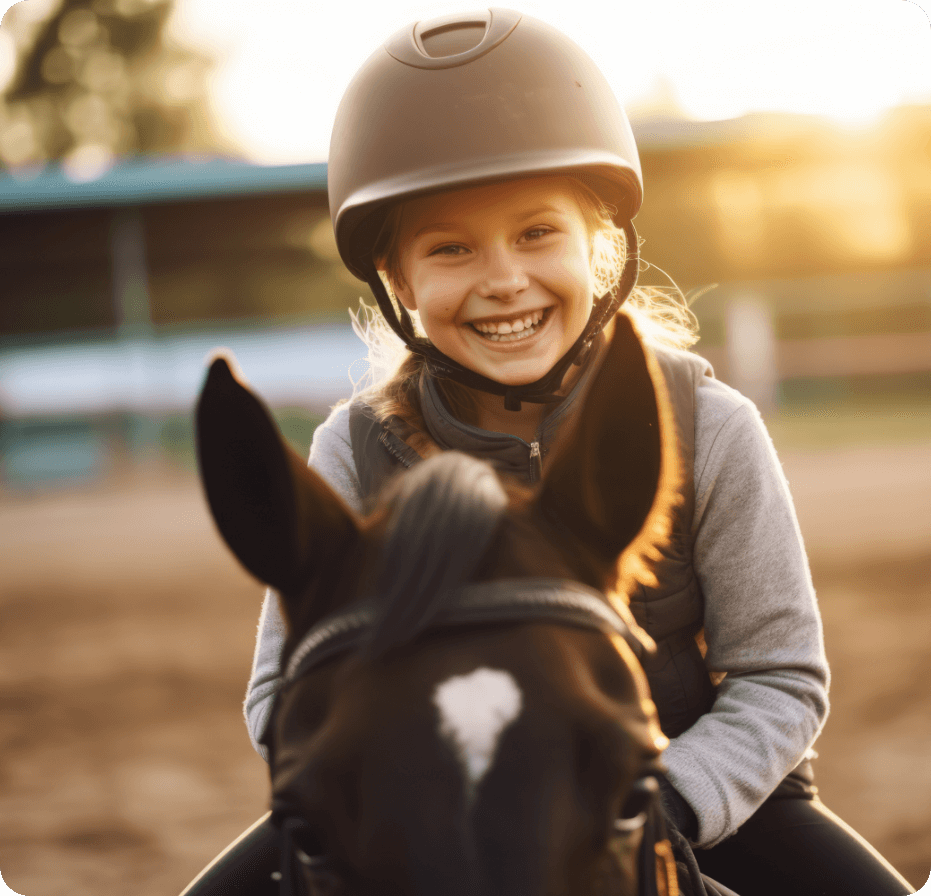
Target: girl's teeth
{"x": 510, "y": 331}
{"x": 513, "y": 326}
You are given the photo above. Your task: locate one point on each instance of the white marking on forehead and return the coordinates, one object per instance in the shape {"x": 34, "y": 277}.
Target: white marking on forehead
{"x": 474, "y": 711}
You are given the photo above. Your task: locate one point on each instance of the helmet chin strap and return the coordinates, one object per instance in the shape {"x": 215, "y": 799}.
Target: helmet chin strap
{"x": 543, "y": 390}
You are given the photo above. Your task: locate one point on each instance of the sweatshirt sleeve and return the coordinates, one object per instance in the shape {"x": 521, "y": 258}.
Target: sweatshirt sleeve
{"x": 762, "y": 625}
{"x": 331, "y": 457}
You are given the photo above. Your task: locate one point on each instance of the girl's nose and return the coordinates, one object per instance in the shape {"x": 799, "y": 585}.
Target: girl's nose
{"x": 503, "y": 276}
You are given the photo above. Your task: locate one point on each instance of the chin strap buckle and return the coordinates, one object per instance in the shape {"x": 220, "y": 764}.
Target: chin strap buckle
{"x": 511, "y": 401}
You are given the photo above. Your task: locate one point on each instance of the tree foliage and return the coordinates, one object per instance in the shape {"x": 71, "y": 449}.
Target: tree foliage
{"x": 97, "y": 79}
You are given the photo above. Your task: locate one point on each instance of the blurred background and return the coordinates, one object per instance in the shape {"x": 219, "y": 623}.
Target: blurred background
{"x": 163, "y": 193}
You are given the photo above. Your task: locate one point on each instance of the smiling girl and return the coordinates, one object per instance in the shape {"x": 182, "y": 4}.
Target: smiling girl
{"x": 482, "y": 181}
{"x": 502, "y": 280}
{"x": 500, "y": 275}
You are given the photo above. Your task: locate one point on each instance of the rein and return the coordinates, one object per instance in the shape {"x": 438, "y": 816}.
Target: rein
{"x": 560, "y": 601}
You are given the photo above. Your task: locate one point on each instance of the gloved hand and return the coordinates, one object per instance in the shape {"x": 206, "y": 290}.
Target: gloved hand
{"x": 679, "y": 814}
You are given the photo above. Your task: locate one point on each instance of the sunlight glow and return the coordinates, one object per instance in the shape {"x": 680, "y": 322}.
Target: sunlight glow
{"x": 7, "y": 59}
{"x": 281, "y": 73}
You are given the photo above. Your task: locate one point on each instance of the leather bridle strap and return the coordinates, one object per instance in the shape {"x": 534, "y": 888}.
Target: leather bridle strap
{"x": 560, "y": 601}
{"x": 656, "y": 872}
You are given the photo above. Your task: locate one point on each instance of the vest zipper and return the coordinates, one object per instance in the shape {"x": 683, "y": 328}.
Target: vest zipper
{"x": 536, "y": 462}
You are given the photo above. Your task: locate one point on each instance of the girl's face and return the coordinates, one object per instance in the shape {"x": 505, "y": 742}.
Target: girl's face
{"x": 500, "y": 274}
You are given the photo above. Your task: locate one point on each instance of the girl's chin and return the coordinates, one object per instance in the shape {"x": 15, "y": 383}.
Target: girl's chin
{"x": 509, "y": 368}
{"x": 508, "y": 371}
{"x": 515, "y": 374}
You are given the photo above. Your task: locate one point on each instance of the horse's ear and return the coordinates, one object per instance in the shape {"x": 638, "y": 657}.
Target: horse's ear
{"x": 605, "y": 475}
{"x": 277, "y": 516}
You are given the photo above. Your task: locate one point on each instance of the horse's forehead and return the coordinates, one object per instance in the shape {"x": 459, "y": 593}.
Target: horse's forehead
{"x": 474, "y": 710}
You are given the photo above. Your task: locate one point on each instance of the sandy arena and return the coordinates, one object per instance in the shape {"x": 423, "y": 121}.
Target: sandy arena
{"x": 127, "y": 634}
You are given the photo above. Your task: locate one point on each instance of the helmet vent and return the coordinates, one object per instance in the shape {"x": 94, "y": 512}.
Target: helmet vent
{"x": 452, "y": 39}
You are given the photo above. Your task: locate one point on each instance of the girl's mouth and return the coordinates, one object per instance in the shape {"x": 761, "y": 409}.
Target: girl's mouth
{"x": 514, "y": 330}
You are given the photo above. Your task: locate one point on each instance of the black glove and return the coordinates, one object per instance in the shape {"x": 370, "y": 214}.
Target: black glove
{"x": 678, "y": 812}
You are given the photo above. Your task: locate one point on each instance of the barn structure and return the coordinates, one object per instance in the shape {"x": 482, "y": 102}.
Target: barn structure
{"x": 114, "y": 289}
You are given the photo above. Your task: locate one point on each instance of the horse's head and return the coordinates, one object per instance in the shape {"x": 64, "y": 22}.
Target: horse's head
{"x": 417, "y": 749}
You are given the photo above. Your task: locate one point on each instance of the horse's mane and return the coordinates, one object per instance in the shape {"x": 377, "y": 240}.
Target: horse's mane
{"x": 440, "y": 519}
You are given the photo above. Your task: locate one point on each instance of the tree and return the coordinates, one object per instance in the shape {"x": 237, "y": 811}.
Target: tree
{"x": 97, "y": 79}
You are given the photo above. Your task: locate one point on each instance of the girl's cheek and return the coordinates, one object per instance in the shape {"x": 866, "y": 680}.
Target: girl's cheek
{"x": 450, "y": 310}
{"x": 445, "y": 293}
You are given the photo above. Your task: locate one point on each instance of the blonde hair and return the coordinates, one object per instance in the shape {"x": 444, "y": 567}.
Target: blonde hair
{"x": 661, "y": 313}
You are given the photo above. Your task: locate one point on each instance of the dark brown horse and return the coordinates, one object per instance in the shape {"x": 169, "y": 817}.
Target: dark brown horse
{"x": 462, "y": 711}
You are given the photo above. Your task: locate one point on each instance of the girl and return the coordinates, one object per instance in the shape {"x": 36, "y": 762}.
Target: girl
{"x": 482, "y": 181}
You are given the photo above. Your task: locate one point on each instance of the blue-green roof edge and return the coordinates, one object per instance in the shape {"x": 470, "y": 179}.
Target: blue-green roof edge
{"x": 146, "y": 181}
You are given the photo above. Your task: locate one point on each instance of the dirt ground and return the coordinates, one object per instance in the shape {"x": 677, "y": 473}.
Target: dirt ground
{"x": 126, "y": 640}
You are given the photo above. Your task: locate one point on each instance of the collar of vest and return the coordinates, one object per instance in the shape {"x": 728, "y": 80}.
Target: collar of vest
{"x": 500, "y": 601}
{"x": 505, "y": 452}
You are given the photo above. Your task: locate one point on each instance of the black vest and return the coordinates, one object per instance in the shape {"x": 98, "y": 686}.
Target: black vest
{"x": 672, "y": 612}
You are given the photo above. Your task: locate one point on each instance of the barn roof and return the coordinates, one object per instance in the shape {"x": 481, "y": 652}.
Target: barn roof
{"x": 142, "y": 181}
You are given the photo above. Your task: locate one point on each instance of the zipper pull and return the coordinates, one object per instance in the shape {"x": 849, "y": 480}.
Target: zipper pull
{"x": 536, "y": 462}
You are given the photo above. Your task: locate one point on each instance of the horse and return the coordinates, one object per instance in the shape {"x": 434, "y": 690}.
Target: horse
{"x": 462, "y": 709}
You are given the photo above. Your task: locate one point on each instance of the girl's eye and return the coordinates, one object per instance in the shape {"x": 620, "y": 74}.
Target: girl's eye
{"x": 537, "y": 233}
{"x": 450, "y": 249}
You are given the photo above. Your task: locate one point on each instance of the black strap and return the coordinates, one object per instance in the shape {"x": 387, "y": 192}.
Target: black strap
{"x": 502, "y": 600}
{"x": 288, "y": 827}
{"x": 656, "y": 867}
{"x": 684, "y": 849}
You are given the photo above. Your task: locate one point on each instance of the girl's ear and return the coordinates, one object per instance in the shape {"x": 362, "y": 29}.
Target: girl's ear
{"x": 605, "y": 476}
{"x": 278, "y": 517}
{"x": 403, "y": 293}
{"x": 400, "y": 288}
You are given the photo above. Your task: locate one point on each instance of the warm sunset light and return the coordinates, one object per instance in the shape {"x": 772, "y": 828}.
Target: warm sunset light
{"x": 166, "y": 239}
{"x": 281, "y": 72}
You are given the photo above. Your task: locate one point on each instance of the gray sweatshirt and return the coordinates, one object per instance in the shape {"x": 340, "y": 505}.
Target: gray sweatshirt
{"x": 762, "y": 625}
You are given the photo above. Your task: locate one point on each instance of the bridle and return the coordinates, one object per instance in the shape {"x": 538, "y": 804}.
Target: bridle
{"x": 561, "y": 601}
{"x": 478, "y": 603}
